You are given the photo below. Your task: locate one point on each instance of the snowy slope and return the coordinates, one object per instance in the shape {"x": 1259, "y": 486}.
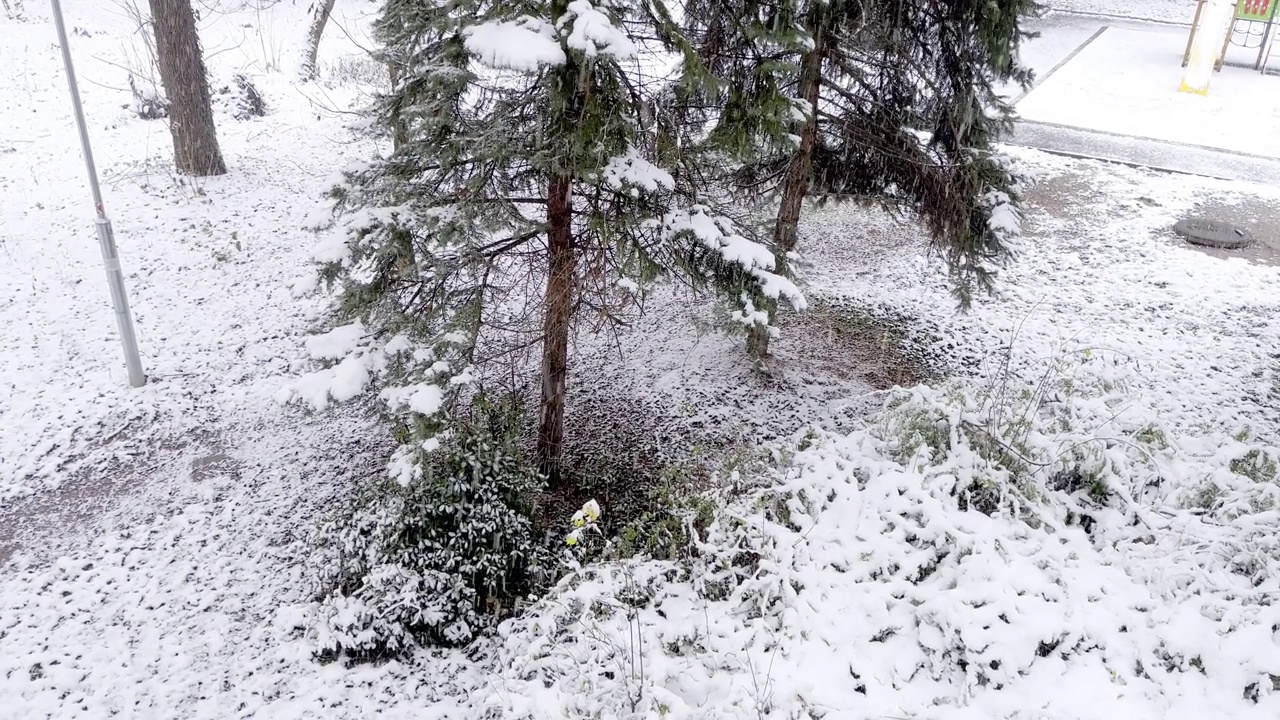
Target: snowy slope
{"x": 207, "y": 262}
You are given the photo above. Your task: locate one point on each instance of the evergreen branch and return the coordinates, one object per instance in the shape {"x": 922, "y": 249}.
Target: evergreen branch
{"x": 506, "y": 245}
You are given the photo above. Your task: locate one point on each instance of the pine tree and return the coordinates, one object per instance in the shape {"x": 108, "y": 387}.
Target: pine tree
{"x": 539, "y": 176}
{"x": 896, "y": 101}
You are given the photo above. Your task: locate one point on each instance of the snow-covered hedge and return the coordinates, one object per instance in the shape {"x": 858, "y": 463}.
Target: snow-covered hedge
{"x": 997, "y": 549}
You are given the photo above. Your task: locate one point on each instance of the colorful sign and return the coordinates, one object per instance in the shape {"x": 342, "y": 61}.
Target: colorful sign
{"x": 1256, "y": 10}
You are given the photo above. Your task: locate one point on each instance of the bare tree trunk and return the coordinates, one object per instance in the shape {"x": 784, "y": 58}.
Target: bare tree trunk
{"x": 556, "y": 322}
{"x": 320, "y": 12}
{"x": 195, "y": 140}
{"x": 795, "y": 184}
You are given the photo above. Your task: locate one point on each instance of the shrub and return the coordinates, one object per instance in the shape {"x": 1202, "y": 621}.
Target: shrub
{"x": 149, "y": 103}
{"x": 670, "y": 530}
{"x": 438, "y": 559}
{"x": 241, "y": 98}
{"x": 1004, "y": 441}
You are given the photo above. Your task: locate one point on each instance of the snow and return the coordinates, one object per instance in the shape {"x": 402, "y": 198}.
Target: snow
{"x": 1005, "y": 218}
{"x": 593, "y": 32}
{"x": 206, "y": 262}
{"x": 424, "y": 398}
{"x": 862, "y": 601}
{"x": 1126, "y": 82}
{"x": 718, "y": 235}
{"x": 1166, "y": 11}
{"x": 1111, "y": 279}
{"x": 846, "y": 584}
{"x": 1101, "y": 266}
{"x": 631, "y": 170}
{"x": 525, "y": 44}
{"x": 333, "y": 249}
{"x": 336, "y": 343}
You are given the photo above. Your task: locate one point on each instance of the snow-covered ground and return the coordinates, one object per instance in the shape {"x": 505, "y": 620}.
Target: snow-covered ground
{"x": 855, "y": 586}
{"x": 1165, "y": 11}
{"x": 1125, "y": 81}
{"x": 207, "y": 262}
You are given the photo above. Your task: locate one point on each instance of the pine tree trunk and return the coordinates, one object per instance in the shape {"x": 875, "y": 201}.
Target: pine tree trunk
{"x": 195, "y": 140}
{"x": 556, "y": 322}
{"x": 795, "y": 184}
{"x": 320, "y": 12}
{"x": 399, "y": 132}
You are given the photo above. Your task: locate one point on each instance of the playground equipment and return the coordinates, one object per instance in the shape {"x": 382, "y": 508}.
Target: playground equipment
{"x": 1253, "y": 21}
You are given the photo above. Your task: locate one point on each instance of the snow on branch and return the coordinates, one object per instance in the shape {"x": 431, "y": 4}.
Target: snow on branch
{"x": 630, "y": 170}
{"x": 719, "y": 234}
{"x": 593, "y": 32}
{"x": 525, "y": 44}
{"x": 1003, "y": 217}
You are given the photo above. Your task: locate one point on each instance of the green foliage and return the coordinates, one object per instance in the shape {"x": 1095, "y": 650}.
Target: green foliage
{"x": 908, "y": 112}
{"x": 444, "y": 557}
{"x": 1206, "y": 497}
{"x": 1153, "y": 437}
{"x": 447, "y": 241}
{"x": 746, "y": 53}
{"x": 668, "y": 531}
{"x": 1258, "y": 464}
{"x": 1020, "y": 441}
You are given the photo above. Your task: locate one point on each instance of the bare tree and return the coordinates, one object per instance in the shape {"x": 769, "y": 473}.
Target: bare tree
{"x": 320, "y": 12}
{"x": 182, "y": 71}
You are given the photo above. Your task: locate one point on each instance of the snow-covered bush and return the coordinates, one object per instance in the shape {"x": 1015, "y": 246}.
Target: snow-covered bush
{"x": 149, "y": 102}
{"x": 937, "y": 564}
{"x": 441, "y": 558}
{"x": 353, "y": 71}
{"x": 240, "y": 98}
{"x": 1019, "y": 438}
{"x": 668, "y": 531}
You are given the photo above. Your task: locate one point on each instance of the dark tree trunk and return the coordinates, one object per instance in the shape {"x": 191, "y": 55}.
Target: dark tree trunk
{"x": 195, "y": 140}
{"x": 795, "y": 184}
{"x": 320, "y": 12}
{"x": 556, "y": 322}
{"x": 399, "y": 131}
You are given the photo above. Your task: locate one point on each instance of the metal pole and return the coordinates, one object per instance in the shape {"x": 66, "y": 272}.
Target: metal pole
{"x": 106, "y": 236}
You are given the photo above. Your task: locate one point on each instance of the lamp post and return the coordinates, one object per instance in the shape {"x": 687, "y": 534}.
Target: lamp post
{"x": 106, "y": 236}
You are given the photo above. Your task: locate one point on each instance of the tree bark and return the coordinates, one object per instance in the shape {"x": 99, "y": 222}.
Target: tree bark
{"x": 399, "y": 131}
{"x": 182, "y": 72}
{"x": 320, "y": 12}
{"x": 795, "y": 183}
{"x": 557, "y": 318}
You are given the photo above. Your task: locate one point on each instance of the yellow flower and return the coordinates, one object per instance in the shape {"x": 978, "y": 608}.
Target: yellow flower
{"x": 592, "y": 510}
{"x": 571, "y": 540}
